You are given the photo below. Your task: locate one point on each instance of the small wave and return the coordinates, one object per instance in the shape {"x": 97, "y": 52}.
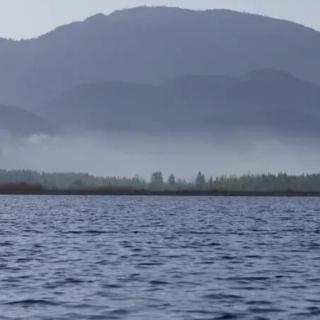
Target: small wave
{"x": 6, "y": 244}
{"x": 158, "y": 283}
{"x": 226, "y": 316}
{"x": 29, "y": 302}
{"x": 258, "y": 302}
{"x": 220, "y": 296}
{"x": 248, "y": 279}
{"x": 75, "y": 281}
{"x": 88, "y": 232}
{"x": 119, "y": 312}
{"x": 265, "y": 310}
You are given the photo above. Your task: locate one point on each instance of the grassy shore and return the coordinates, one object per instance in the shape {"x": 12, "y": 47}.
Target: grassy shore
{"x": 36, "y": 189}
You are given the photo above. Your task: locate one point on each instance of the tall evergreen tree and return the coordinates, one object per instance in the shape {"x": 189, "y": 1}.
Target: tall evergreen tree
{"x": 157, "y": 179}
{"x": 200, "y": 180}
{"x": 210, "y": 183}
{"x": 172, "y": 180}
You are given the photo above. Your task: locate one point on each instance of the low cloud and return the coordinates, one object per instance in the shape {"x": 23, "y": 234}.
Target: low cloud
{"x": 128, "y": 155}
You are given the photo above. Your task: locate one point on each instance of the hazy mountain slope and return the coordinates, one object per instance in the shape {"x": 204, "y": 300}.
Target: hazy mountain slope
{"x": 18, "y": 121}
{"x": 150, "y": 45}
{"x": 266, "y": 101}
{"x": 104, "y": 105}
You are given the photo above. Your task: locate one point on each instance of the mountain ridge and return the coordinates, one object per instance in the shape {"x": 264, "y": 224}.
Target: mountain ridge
{"x": 21, "y": 122}
{"x": 281, "y": 103}
{"x": 152, "y": 45}
{"x": 101, "y": 16}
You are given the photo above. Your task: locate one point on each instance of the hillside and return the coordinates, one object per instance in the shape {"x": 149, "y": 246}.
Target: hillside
{"x": 20, "y": 122}
{"x": 266, "y": 101}
{"x": 151, "y": 45}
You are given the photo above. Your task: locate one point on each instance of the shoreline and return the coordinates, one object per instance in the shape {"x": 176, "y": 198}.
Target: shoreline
{"x": 185, "y": 193}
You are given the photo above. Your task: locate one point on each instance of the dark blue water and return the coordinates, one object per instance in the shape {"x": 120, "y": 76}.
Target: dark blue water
{"x": 159, "y": 258}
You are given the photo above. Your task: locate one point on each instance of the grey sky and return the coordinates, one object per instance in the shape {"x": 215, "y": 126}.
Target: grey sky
{"x": 30, "y": 18}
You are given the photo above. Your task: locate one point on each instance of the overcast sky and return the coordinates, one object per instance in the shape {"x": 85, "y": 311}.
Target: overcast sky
{"x": 30, "y": 18}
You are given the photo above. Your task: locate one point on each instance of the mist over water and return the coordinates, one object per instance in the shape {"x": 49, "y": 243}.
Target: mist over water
{"x": 140, "y": 154}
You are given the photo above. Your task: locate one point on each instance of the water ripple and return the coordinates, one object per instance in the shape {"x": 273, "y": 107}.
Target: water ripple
{"x": 141, "y": 258}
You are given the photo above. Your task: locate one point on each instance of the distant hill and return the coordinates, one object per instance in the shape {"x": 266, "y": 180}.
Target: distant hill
{"x": 151, "y": 45}
{"x": 266, "y": 101}
{"x": 21, "y": 122}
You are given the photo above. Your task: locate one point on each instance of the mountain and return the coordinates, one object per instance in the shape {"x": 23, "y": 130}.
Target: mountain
{"x": 150, "y": 45}
{"x": 21, "y": 122}
{"x": 266, "y": 101}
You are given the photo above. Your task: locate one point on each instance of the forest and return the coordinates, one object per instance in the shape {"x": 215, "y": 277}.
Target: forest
{"x": 24, "y": 181}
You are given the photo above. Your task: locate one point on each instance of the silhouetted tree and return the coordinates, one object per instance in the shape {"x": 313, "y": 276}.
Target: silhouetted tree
{"x": 210, "y": 183}
{"x": 156, "y": 179}
{"x": 200, "y": 180}
{"x": 172, "y": 180}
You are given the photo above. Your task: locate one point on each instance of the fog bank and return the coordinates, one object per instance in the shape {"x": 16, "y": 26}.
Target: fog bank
{"x": 139, "y": 154}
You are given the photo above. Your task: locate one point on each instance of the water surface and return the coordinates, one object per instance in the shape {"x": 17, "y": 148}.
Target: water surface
{"x": 155, "y": 258}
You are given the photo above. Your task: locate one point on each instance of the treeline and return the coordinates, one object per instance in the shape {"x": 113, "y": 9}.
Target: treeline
{"x": 264, "y": 183}
{"x": 64, "y": 181}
